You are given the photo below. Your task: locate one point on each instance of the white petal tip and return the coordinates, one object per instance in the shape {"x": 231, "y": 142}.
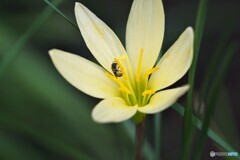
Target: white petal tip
{"x": 189, "y": 28}
{"x": 186, "y": 87}
{"x": 78, "y": 6}
{"x": 52, "y": 52}
{"x": 56, "y": 53}
{"x": 189, "y": 31}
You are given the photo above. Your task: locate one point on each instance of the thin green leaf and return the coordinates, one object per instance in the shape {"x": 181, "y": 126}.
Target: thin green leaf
{"x": 12, "y": 148}
{"x": 10, "y": 56}
{"x": 216, "y": 54}
{"x": 211, "y": 134}
{"x": 187, "y": 126}
{"x": 45, "y": 103}
{"x": 62, "y": 14}
{"x": 213, "y": 93}
{"x": 49, "y": 141}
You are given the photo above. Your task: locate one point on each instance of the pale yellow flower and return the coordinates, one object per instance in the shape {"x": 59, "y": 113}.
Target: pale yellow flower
{"x": 138, "y": 85}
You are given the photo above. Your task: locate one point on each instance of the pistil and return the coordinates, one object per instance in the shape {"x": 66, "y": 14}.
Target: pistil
{"x": 136, "y": 91}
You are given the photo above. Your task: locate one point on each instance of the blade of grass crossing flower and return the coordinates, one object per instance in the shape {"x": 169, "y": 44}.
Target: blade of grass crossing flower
{"x": 187, "y": 126}
{"x": 62, "y": 14}
{"x": 9, "y": 57}
{"x": 213, "y": 93}
{"x": 211, "y": 134}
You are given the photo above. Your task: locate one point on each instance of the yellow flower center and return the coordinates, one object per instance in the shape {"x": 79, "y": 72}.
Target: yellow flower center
{"x": 135, "y": 91}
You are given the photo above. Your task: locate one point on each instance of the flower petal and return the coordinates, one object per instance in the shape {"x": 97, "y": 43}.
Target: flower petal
{"x": 99, "y": 38}
{"x": 84, "y": 75}
{"x": 113, "y": 110}
{"x": 145, "y": 29}
{"x": 163, "y": 100}
{"x": 174, "y": 63}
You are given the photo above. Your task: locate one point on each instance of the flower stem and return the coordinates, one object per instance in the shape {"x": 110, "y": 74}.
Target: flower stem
{"x": 140, "y": 131}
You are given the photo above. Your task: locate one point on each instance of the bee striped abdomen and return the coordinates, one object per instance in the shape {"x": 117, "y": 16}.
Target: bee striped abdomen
{"x": 116, "y": 69}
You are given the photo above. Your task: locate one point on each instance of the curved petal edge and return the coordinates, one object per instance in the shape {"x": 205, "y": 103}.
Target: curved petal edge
{"x": 145, "y": 30}
{"x": 163, "y": 99}
{"x": 175, "y": 62}
{"x": 99, "y": 38}
{"x": 84, "y": 74}
{"x": 113, "y": 110}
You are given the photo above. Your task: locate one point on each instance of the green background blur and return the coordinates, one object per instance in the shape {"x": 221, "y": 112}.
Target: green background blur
{"x": 42, "y": 117}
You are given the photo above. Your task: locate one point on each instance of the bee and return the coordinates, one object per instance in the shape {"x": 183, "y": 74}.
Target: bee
{"x": 116, "y": 69}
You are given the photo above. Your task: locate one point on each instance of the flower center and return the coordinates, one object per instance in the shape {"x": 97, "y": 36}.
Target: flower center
{"x": 135, "y": 91}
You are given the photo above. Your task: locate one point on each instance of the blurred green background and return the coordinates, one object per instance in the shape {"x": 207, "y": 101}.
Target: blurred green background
{"x": 42, "y": 117}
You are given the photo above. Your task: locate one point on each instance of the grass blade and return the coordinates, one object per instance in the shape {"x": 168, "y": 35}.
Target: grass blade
{"x": 49, "y": 142}
{"x": 10, "y": 56}
{"x": 213, "y": 93}
{"x": 223, "y": 39}
{"x": 187, "y": 126}
{"x": 62, "y": 14}
{"x": 211, "y": 134}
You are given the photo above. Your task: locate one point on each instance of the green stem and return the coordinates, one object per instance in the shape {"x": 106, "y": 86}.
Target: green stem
{"x": 157, "y": 132}
{"x": 140, "y": 131}
{"x": 148, "y": 152}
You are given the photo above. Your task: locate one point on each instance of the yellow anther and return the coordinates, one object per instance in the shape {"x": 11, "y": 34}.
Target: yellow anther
{"x": 139, "y": 69}
{"x": 146, "y": 74}
{"x": 122, "y": 86}
{"x": 146, "y": 92}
